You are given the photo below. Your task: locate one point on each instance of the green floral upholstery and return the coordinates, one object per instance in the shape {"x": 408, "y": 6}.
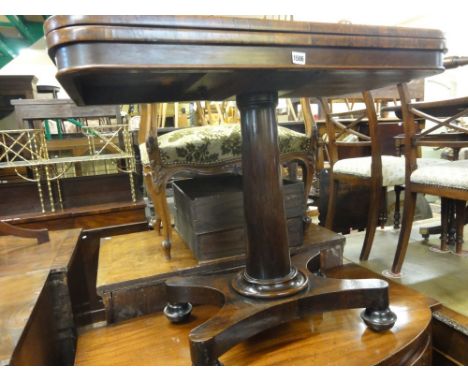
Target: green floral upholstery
{"x": 217, "y": 144}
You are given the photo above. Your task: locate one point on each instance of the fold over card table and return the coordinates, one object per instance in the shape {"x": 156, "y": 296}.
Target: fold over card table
{"x": 142, "y": 59}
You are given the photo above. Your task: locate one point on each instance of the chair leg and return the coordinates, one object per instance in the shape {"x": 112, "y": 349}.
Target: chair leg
{"x": 156, "y": 223}
{"x": 383, "y": 209}
{"x": 405, "y": 232}
{"x": 332, "y": 199}
{"x": 372, "y": 220}
{"x": 452, "y": 223}
{"x": 444, "y": 223}
{"x": 460, "y": 211}
{"x": 397, "y": 216}
{"x": 158, "y": 195}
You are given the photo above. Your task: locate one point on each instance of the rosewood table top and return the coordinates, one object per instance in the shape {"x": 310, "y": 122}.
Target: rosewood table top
{"x": 131, "y": 59}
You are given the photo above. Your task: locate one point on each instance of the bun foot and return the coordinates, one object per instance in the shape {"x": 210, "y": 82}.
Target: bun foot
{"x": 177, "y": 313}
{"x": 379, "y": 320}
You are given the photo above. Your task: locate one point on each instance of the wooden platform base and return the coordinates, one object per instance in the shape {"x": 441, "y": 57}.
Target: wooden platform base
{"x": 132, "y": 268}
{"x": 335, "y": 338}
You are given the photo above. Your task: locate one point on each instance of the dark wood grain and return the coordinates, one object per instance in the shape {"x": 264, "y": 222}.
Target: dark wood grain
{"x": 39, "y": 109}
{"x": 230, "y": 23}
{"x": 132, "y": 268}
{"x": 333, "y": 338}
{"x": 86, "y": 304}
{"x": 36, "y": 323}
{"x": 218, "y": 57}
{"x": 87, "y": 217}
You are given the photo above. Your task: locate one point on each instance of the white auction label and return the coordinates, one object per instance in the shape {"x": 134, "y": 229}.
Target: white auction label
{"x": 298, "y": 58}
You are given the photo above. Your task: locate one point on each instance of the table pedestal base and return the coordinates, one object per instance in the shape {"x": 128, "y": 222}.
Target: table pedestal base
{"x": 241, "y": 317}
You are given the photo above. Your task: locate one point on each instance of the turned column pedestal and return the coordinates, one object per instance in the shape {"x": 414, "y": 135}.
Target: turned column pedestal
{"x": 271, "y": 289}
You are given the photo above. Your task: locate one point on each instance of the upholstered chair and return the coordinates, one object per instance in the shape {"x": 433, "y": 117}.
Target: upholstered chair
{"x": 375, "y": 171}
{"x": 448, "y": 180}
{"x": 205, "y": 150}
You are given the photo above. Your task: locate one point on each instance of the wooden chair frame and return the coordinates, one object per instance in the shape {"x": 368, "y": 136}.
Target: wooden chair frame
{"x": 156, "y": 174}
{"x": 377, "y": 191}
{"x": 412, "y": 141}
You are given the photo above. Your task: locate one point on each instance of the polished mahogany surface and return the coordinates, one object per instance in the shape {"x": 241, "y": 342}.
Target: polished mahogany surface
{"x": 121, "y": 59}
{"x": 331, "y": 338}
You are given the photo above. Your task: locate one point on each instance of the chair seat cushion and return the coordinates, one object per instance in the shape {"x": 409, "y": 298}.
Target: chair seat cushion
{"x": 393, "y": 168}
{"x": 210, "y": 145}
{"x": 449, "y": 174}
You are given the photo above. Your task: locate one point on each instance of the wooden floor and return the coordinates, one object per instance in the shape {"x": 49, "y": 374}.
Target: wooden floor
{"x": 333, "y": 338}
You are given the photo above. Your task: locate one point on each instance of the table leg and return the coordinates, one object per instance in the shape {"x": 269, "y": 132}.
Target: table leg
{"x": 271, "y": 289}
{"x": 268, "y": 272}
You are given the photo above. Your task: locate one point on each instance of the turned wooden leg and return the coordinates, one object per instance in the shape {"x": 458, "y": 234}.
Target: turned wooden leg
{"x": 452, "y": 224}
{"x": 444, "y": 223}
{"x": 383, "y": 208}
{"x": 268, "y": 272}
{"x": 158, "y": 196}
{"x": 406, "y": 226}
{"x": 396, "y": 215}
{"x": 372, "y": 220}
{"x": 332, "y": 200}
{"x": 460, "y": 211}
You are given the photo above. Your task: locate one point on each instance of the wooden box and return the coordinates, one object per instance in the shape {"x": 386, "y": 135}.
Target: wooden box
{"x": 209, "y": 215}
